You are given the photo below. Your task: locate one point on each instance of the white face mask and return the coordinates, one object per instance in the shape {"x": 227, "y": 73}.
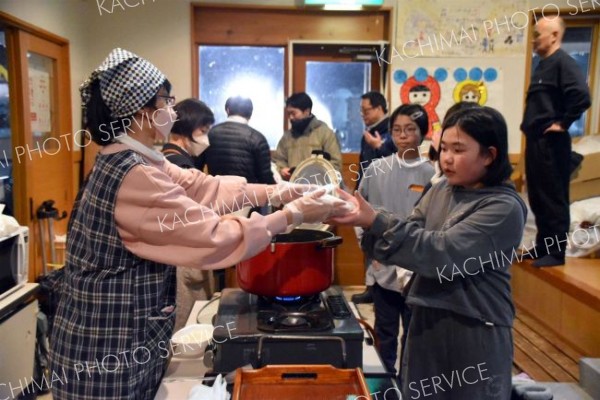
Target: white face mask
{"x": 163, "y": 120}
{"x": 200, "y": 144}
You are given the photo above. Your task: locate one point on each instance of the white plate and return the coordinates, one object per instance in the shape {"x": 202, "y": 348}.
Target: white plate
{"x": 192, "y": 339}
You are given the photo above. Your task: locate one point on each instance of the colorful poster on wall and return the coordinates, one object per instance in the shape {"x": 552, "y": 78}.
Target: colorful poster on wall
{"x": 442, "y": 28}
{"x": 437, "y": 89}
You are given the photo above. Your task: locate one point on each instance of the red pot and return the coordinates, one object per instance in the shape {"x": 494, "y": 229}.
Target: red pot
{"x": 299, "y": 263}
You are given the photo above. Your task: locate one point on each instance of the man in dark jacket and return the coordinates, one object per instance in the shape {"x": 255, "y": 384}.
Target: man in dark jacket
{"x": 557, "y": 96}
{"x": 236, "y": 148}
{"x": 376, "y": 141}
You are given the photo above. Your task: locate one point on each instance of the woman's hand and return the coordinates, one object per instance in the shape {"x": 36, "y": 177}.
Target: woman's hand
{"x": 362, "y": 215}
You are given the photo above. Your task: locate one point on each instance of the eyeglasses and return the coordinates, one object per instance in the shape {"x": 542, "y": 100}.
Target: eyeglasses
{"x": 363, "y": 111}
{"x": 407, "y": 130}
{"x": 170, "y": 100}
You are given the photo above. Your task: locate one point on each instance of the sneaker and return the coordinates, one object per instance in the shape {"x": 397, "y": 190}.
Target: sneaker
{"x": 365, "y": 297}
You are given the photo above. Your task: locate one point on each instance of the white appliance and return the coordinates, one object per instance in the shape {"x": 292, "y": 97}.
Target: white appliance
{"x": 18, "y": 319}
{"x": 14, "y": 261}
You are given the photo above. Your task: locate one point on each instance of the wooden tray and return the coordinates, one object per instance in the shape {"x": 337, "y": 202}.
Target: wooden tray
{"x": 299, "y": 382}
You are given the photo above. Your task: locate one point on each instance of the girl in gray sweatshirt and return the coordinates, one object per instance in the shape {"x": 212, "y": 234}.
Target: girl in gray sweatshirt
{"x": 460, "y": 241}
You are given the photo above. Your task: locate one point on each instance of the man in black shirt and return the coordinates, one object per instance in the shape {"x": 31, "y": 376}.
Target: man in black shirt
{"x": 557, "y": 96}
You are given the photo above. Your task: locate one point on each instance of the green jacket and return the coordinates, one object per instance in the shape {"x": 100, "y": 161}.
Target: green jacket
{"x": 291, "y": 150}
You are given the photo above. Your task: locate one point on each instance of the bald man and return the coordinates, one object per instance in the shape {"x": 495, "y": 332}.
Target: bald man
{"x": 557, "y": 96}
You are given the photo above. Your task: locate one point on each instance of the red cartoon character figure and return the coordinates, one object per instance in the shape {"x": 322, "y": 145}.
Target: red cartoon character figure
{"x": 423, "y": 90}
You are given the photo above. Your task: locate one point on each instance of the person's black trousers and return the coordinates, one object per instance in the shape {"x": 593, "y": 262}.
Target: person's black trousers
{"x": 547, "y": 168}
{"x": 389, "y": 307}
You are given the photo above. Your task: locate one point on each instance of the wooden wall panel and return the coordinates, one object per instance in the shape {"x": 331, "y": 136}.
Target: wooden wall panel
{"x": 581, "y": 324}
{"x": 537, "y": 297}
{"x": 276, "y": 26}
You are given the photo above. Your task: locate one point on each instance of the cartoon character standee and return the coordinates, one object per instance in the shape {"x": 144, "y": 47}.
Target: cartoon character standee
{"x": 425, "y": 92}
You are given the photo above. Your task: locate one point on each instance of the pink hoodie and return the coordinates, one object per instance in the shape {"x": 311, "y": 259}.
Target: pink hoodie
{"x": 175, "y": 216}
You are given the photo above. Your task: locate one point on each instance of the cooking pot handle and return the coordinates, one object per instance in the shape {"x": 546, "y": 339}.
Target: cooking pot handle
{"x": 330, "y": 242}
{"x": 290, "y": 337}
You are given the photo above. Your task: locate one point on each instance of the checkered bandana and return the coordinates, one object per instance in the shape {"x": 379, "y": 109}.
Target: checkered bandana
{"x": 127, "y": 83}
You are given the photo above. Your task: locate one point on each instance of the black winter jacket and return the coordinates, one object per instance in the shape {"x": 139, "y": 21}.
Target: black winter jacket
{"x": 237, "y": 149}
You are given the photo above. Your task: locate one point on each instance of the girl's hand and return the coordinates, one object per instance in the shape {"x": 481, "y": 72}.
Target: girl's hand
{"x": 363, "y": 214}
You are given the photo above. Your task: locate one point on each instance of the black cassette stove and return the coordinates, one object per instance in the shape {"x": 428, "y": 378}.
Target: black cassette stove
{"x": 320, "y": 329}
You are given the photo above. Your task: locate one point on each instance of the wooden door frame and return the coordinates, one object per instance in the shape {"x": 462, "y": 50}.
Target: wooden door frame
{"x": 18, "y": 89}
{"x": 60, "y": 118}
{"x": 10, "y": 21}
{"x": 22, "y": 37}
{"x": 290, "y": 57}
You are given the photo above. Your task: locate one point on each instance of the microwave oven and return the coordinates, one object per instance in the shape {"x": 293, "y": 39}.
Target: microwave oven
{"x": 14, "y": 261}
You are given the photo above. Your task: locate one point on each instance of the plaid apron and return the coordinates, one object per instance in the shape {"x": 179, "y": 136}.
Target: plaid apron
{"x": 111, "y": 333}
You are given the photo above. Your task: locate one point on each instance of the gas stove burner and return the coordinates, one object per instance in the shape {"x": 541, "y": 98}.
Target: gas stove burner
{"x": 326, "y": 315}
{"x": 290, "y": 303}
{"x": 294, "y": 320}
{"x": 274, "y": 321}
{"x": 288, "y": 299}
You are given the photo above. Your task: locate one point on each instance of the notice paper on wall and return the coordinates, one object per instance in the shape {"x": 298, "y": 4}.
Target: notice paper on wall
{"x": 39, "y": 95}
{"x": 442, "y": 28}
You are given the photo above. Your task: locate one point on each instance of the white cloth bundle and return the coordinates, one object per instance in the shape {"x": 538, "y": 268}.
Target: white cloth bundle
{"x": 218, "y": 391}
{"x": 8, "y": 225}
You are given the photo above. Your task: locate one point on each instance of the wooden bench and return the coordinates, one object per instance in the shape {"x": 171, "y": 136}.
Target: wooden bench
{"x": 562, "y": 301}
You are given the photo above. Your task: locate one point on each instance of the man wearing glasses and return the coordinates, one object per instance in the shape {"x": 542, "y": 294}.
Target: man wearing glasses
{"x": 375, "y": 143}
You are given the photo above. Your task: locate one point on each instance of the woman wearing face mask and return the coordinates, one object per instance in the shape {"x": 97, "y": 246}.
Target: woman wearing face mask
{"x": 189, "y": 135}
{"x": 189, "y": 138}
{"x": 135, "y": 217}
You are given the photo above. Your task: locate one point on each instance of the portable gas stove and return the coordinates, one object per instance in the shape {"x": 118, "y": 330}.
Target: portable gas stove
{"x": 316, "y": 330}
